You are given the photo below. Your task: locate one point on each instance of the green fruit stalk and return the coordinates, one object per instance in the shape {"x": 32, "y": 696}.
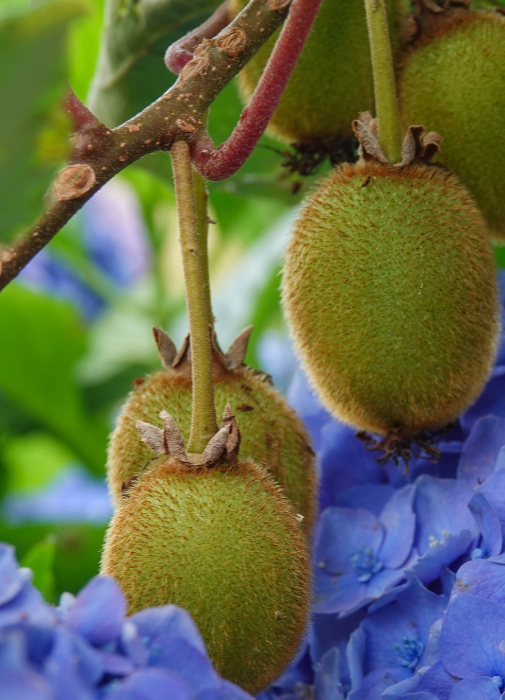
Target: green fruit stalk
{"x": 390, "y": 293}
{"x": 332, "y": 81}
{"x": 221, "y": 540}
{"x": 272, "y": 433}
{"x": 454, "y": 82}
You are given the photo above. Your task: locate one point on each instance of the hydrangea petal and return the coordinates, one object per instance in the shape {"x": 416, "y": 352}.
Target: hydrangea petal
{"x": 436, "y": 680}
{"x": 383, "y": 582}
{"x": 27, "y": 606}
{"x": 344, "y": 462}
{"x": 24, "y": 686}
{"x": 494, "y": 490}
{"x": 61, "y": 668}
{"x": 471, "y": 635}
{"x": 481, "y": 449}
{"x": 327, "y": 685}
{"x": 407, "y": 619}
{"x": 370, "y": 497}
{"x": 428, "y": 567}
{"x": 432, "y": 653}
{"x": 403, "y": 688}
{"x": 399, "y": 521}
{"x": 490, "y": 402}
{"x": 338, "y": 594}
{"x": 175, "y": 654}
{"x": 151, "y": 684}
{"x": 342, "y": 532}
{"x": 475, "y": 689}
{"x": 488, "y": 523}
{"x": 11, "y": 579}
{"x": 168, "y": 619}
{"x": 482, "y": 578}
{"x": 98, "y": 611}
{"x": 441, "y": 506}
{"x": 375, "y": 683}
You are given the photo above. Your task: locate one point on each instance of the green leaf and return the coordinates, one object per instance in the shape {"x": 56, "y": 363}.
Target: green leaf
{"x": 33, "y": 125}
{"x": 131, "y": 72}
{"x": 40, "y": 559}
{"x": 78, "y": 548}
{"x": 42, "y": 341}
{"x": 33, "y": 460}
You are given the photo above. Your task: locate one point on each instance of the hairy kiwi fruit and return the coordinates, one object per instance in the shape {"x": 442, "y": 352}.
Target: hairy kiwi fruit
{"x": 224, "y": 543}
{"x": 389, "y": 289}
{"x": 454, "y": 83}
{"x": 332, "y": 81}
{"x": 272, "y": 432}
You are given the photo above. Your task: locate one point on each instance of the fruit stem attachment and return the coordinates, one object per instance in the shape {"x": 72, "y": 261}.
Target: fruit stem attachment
{"x": 386, "y": 103}
{"x": 203, "y": 419}
{"x": 220, "y": 163}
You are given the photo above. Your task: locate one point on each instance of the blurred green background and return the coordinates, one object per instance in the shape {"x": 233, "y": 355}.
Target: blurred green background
{"x": 76, "y": 327}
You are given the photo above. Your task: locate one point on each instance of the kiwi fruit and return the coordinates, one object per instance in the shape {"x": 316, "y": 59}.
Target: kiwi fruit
{"x": 390, "y": 293}
{"x": 273, "y": 435}
{"x": 332, "y": 81}
{"x": 224, "y": 543}
{"x": 453, "y": 81}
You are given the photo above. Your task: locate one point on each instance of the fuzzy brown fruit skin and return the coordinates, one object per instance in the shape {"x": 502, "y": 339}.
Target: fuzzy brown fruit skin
{"x": 223, "y": 543}
{"x": 272, "y": 434}
{"x": 454, "y": 84}
{"x": 390, "y": 293}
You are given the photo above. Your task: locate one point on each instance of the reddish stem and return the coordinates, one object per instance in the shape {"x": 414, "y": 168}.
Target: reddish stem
{"x": 219, "y": 163}
{"x": 181, "y": 52}
{"x": 82, "y": 118}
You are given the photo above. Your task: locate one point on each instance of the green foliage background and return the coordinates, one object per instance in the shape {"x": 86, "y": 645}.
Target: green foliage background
{"x": 61, "y": 379}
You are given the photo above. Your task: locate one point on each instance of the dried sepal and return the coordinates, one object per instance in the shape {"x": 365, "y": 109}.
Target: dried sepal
{"x": 418, "y": 146}
{"x": 238, "y": 349}
{"x": 433, "y": 17}
{"x": 223, "y": 446}
{"x": 173, "y": 442}
{"x": 181, "y": 361}
{"x": 152, "y": 436}
{"x": 166, "y": 347}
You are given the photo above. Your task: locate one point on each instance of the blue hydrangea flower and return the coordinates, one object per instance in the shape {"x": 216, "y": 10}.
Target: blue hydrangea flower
{"x": 49, "y": 274}
{"x": 445, "y": 528}
{"x": 392, "y": 642}
{"x": 468, "y": 662}
{"x": 481, "y": 449}
{"x": 87, "y": 649}
{"x": 359, "y": 556}
{"x": 114, "y": 233}
{"x": 73, "y": 496}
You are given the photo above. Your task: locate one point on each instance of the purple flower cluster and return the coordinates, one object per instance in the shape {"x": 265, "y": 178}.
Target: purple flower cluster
{"x": 86, "y": 649}
{"x": 409, "y": 568}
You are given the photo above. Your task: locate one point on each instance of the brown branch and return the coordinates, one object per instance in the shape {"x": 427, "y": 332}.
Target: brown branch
{"x": 100, "y": 153}
{"x": 182, "y": 51}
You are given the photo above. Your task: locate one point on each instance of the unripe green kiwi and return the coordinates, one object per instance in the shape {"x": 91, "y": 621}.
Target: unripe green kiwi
{"x": 223, "y": 543}
{"x": 455, "y": 85}
{"x": 389, "y": 289}
{"x": 272, "y": 434}
{"x": 332, "y": 81}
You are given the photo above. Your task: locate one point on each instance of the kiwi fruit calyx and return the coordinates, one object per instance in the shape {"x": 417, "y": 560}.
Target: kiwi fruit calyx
{"x": 430, "y": 19}
{"x": 222, "y": 363}
{"x": 418, "y": 146}
{"x": 168, "y": 441}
